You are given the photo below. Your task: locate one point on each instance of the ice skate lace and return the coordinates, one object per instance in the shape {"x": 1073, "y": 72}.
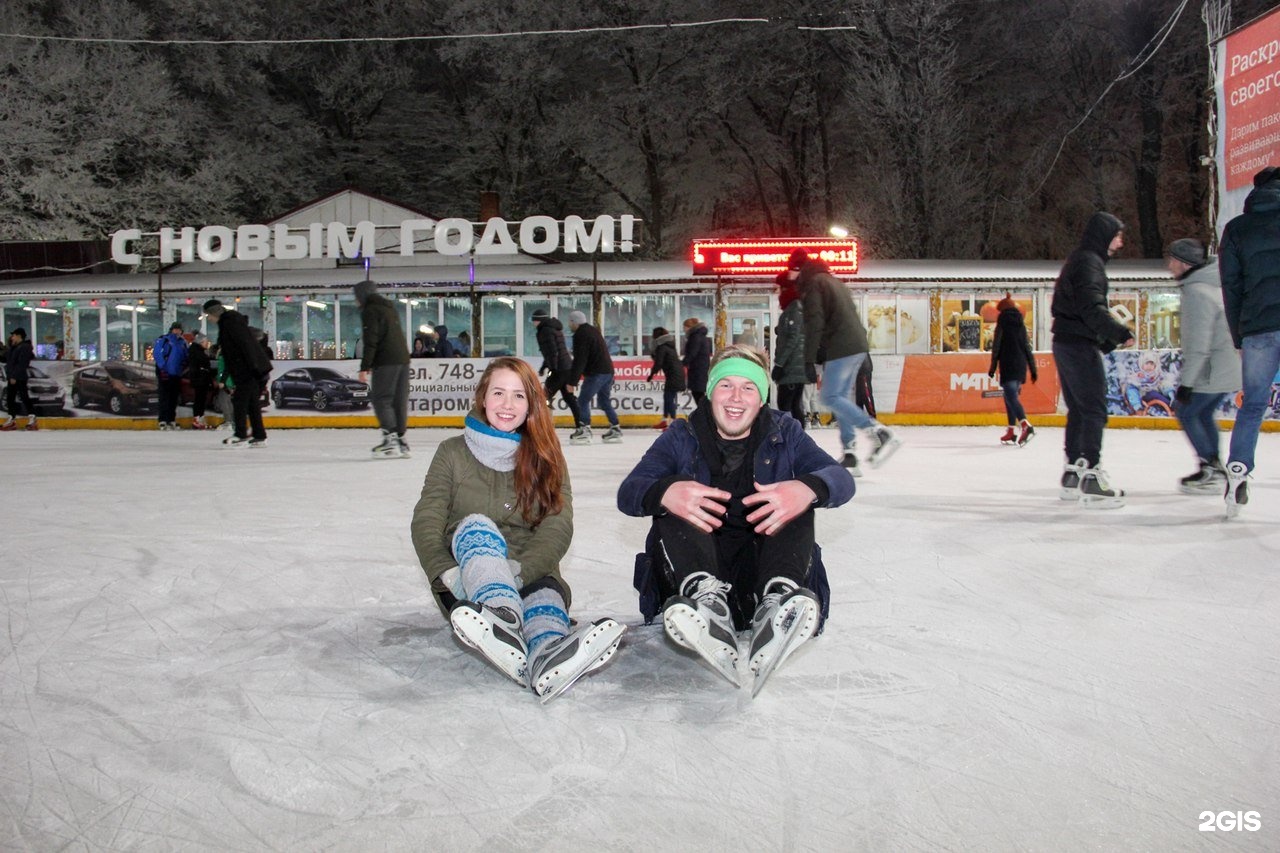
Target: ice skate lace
{"x": 711, "y": 590}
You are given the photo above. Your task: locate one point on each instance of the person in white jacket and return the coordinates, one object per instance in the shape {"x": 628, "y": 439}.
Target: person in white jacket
{"x": 1210, "y": 363}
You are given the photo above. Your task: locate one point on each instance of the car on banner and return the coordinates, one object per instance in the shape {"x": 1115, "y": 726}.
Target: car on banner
{"x": 47, "y": 396}
{"x": 118, "y": 386}
{"x": 320, "y": 388}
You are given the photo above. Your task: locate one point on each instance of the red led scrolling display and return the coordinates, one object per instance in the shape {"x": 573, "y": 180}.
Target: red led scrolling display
{"x": 769, "y": 257}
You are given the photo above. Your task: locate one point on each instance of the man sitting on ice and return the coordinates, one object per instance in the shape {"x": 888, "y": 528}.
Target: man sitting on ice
{"x": 732, "y": 492}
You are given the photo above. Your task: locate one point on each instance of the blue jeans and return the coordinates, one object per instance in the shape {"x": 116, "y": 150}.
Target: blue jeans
{"x": 1259, "y": 360}
{"x": 1196, "y": 417}
{"x": 1012, "y": 401}
{"x": 838, "y": 377}
{"x": 596, "y": 386}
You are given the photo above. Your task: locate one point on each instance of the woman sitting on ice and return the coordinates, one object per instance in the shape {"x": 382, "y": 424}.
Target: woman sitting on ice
{"x": 493, "y": 523}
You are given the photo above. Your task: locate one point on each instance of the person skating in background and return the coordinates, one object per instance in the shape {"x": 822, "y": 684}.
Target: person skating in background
{"x": 1249, "y": 263}
{"x": 170, "y": 355}
{"x": 245, "y": 365}
{"x": 1084, "y": 329}
{"x": 788, "y": 350}
{"x": 444, "y": 347}
{"x": 591, "y": 363}
{"x": 662, "y": 346}
{"x": 732, "y": 492}
{"x": 17, "y": 371}
{"x": 557, "y": 363}
{"x": 697, "y": 358}
{"x": 490, "y": 529}
{"x": 1011, "y": 354}
{"x": 835, "y": 337}
{"x": 386, "y": 357}
{"x": 200, "y": 372}
{"x": 1210, "y": 364}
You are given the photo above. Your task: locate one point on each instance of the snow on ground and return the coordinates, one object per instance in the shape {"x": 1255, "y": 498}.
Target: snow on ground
{"x": 211, "y": 649}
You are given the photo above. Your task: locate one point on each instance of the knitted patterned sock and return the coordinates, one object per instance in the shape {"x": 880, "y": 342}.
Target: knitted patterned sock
{"x": 482, "y": 557}
{"x": 545, "y": 618}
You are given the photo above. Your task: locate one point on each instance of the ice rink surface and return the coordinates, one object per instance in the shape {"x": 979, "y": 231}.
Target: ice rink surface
{"x": 235, "y": 650}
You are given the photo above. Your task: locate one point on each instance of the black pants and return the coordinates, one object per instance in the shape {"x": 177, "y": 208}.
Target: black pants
{"x": 170, "y": 389}
{"x": 247, "y": 408}
{"x": 1084, "y": 389}
{"x": 390, "y": 394}
{"x": 746, "y": 562}
{"x": 791, "y": 400}
{"x": 200, "y": 398}
{"x": 557, "y": 382}
{"x": 17, "y": 390}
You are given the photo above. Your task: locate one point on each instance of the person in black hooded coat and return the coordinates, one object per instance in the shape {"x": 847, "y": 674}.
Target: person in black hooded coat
{"x": 1084, "y": 329}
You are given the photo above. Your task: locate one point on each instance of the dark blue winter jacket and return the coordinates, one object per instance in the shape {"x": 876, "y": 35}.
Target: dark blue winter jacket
{"x": 1249, "y": 263}
{"x": 170, "y": 354}
{"x": 1080, "y": 307}
{"x": 786, "y": 452}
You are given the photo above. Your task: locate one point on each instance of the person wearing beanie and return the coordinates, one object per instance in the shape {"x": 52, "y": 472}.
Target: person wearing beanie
{"x": 170, "y": 353}
{"x": 1210, "y": 363}
{"x": 245, "y": 363}
{"x": 593, "y": 365}
{"x": 384, "y": 364}
{"x": 732, "y": 493}
{"x": 1084, "y": 329}
{"x": 1011, "y": 354}
{"x": 17, "y": 371}
{"x": 1249, "y": 264}
{"x": 200, "y": 371}
{"x": 662, "y": 347}
{"x": 557, "y": 363}
{"x": 835, "y": 337}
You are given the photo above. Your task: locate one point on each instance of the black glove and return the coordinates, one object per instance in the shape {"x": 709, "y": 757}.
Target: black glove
{"x": 776, "y": 373}
{"x": 811, "y": 372}
{"x": 991, "y": 374}
{"x": 1183, "y": 395}
{"x": 1035, "y": 377}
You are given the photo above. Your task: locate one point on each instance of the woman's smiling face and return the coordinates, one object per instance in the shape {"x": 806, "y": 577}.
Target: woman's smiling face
{"x": 506, "y": 406}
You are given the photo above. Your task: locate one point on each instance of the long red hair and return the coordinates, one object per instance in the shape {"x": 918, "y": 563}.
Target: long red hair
{"x": 540, "y": 462}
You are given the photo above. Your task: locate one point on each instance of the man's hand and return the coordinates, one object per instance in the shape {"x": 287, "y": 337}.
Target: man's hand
{"x": 779, "y": 503}
{"x": 572, "y": 389}
{"x": 364, "y": 377}
{"x": 702, "y": 506}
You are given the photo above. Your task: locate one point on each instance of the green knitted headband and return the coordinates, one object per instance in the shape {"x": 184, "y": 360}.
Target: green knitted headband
{"x": 744, "y": 367}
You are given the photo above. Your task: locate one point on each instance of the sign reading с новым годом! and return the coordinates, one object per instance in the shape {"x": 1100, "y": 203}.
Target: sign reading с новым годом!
{"x": 535, "y": 235}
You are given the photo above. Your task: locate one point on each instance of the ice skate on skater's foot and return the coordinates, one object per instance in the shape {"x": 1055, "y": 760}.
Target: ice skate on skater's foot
{"x": 1009, "y": 437}
{"x": 1026, "y": 432}
{"x": 9, "y": 425}
{"x": 1070, "y": 482}
{"x": 1237, "y": 493}
{"x": 495, "y": 633}
{"x": 564, "y": 660}
{"x": 581, "y": 435}
{"x": 1209, "y": 479}
{"x": 786, "y": 617}
{"x": 388, "y": 448}
{"x": 698, "y": 618}
{"x": 613, "y": 435}
{"x": 31, "y": 426}
{"x": 235, "y": 441}
{"x": 1096, "y": 491}
{"x": 404, "y": 447}
{"x": 850, "y": 458}
{"x": 886, "y": 445}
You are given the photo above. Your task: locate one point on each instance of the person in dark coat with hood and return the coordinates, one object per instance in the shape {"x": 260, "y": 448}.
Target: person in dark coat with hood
{"x": 1249, "y": 263}
{"x": 444, "y": 347}
{"x": 697, "y": 357}
{"x": 247, "y": 365}
{"x": 1011, "y": 354}
{"x": 1084, "y": 329}
{"x": 386, "y": 357}
{"x": 662, "y": 346}
{"x": 788, "y": 350}
{"x": 557, "y": 363}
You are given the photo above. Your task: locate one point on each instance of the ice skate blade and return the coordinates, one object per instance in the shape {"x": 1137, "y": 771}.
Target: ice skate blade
{"x": 795, "y": 622}
{"x": 475, "y": 632}
{"x": 595, "y": 648}
{"x": 1102, "y": 501}
{"x": 1027, "y": 441}
{"x": 685, "y": 624}
{"x": 886, "y": 450}
{"x": 1201, "y": 489}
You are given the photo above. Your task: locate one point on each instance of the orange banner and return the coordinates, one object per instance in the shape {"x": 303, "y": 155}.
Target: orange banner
{"x": 959, "y": 383}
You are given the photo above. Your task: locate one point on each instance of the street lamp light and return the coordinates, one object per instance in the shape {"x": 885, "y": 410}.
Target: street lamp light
{"x": 839, "y": 232}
